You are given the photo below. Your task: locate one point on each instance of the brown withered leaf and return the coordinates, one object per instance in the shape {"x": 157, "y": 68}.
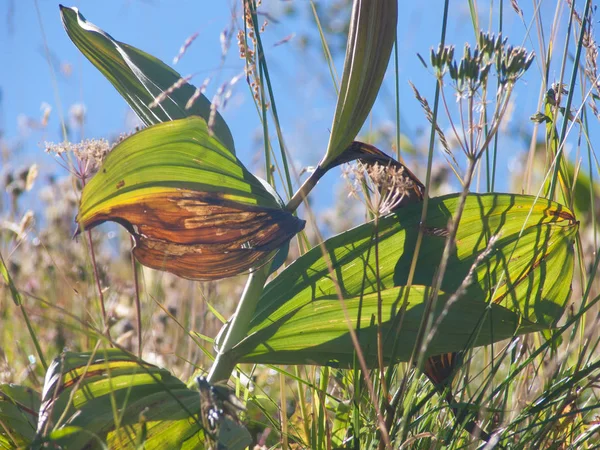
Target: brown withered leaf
{"x": 201, "y": 235}
{"x": 191, "y": 206}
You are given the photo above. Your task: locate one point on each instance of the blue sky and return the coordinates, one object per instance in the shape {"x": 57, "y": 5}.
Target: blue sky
{"x": 303, "y": 88}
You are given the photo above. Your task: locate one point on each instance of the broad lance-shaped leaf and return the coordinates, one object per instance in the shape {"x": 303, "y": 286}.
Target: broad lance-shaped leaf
{"x": 110, "y": 397}
{"x": 190, "y": 204}
{"x": 528, "y": 273}
{"x": 317, "y": 332}
{"x": 370, "y": 40}
{"x": 139, "y": 77}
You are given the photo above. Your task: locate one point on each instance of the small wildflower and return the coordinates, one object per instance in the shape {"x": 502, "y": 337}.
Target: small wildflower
{"x": 19, "y": 229}
{"x": 89, "y": 155}
{"x": 513, "y": 64}
{"x": 469, "y": 79}
{"x": 383, "y": 187}
{"x": 31, "y": 176}
{"x": 441, "y": 59}
{"x": 21, "y": 181}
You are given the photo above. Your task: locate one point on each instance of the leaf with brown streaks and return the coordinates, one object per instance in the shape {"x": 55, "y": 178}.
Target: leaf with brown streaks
{"x": 191, "y": 206}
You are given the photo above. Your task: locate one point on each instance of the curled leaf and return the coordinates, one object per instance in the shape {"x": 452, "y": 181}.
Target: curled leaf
{"x": 370, "y": 40}
{"x": 191, "y": 206}
{"x": 368, "y": 155}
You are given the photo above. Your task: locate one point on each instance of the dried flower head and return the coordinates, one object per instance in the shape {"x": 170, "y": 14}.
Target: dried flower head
{"x": 381, "y": 188}
{"x": 480, "y": 117}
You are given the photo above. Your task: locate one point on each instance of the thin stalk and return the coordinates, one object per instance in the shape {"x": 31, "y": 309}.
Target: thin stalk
{"x": 284, "y": 420}
{"x": 97, "y": 275}
{"x": 138, "y": 307}
{"x": 302, "y": 402}
{"x": 268, "y": 172}
{"x": 36, "y": 343}
{"x": 322, "y": 411}
{"x": 304, "y": 190}
{"x": 98, "y": 286}
{"x": 397, "y": 88}
{"x": 265, "y": 71}
{"x": 565, "y": 124}
{"x": 427, "y": 320}
{"x": 436, "y": 104}
{"x": 492, "y": 184}
{"x": 385, "y": 403}
{"x": 328, "y": 57}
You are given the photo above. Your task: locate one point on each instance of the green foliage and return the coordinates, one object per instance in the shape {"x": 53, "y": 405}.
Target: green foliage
{"x": 317, "y": 332}
{"x": 19, "y": 408}
{"x": 111, "y": 397}
{"x": 526, "y": 277}
{"x": 141, "y": 78}
{"x": 407, "y": 285}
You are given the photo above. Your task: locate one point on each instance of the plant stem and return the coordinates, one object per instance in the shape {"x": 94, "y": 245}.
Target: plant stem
{"x": 413, "y": 265}
{"x": 138, "y": 306}
{"x": 450, "y": 243}
{"x": 283, "y": 412}
{"x": 238, "y": 326}
{"x": 306, "y": 187}
{"x": 565, "y": 124}
{"x": 18, "y": 300}
{"x": 98, "y": 286}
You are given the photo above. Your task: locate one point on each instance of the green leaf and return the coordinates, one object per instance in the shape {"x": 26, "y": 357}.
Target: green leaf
{"x": 109, "y": 397}
{"x": 526, "y": 278}
{"x": 140, "y": 77}
{"x": 317, "y": 332}
{"x": 19, "y": 406}
{"x": 232, "y": 436}
{"x": 190, "y": 204}
{"x": 370, "y": 40}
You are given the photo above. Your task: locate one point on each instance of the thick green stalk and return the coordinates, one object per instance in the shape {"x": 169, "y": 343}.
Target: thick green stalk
{"x": 237, "y": 328}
